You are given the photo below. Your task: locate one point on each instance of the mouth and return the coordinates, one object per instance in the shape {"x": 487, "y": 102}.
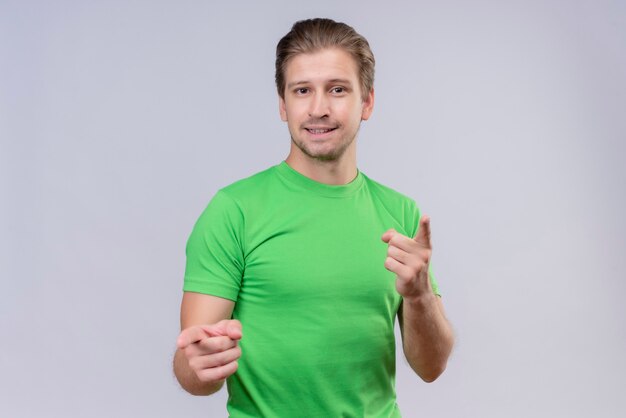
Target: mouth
{"x": 319, "y": 131}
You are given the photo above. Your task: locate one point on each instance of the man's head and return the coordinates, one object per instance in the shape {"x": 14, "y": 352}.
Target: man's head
{"x": 314, "y": 35}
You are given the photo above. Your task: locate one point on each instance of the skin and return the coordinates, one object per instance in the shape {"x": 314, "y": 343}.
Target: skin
{"x": 322, "y": 91}
{"x": 206, "y": 354}
{"x": 427, "y": 337}
{"x": 323, "y": 108}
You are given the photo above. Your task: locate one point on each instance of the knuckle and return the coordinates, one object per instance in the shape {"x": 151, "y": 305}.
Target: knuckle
{"x": 388, "y": 262}
{"x": 231, "y": 355}
{"x": 214, "y": 344}
{"x": 402, "y": 279}
{"x": 205, "y": 344}
{"x": 418, "y": 268}
{"x": 222, "y": 372}
{"x": 219, "y": 367}
{"x": 395, "y": 240}
{"x": 196, "y": 363}
{"x": 226, "y": 343}
{"x": 220, "y": 359}
{"x": 190, "y": 352}
{"x": 205, "y": 376}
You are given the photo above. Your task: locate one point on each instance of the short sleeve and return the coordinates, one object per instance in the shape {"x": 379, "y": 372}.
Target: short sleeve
{"x": 412, "y": 220}
{"x": 215, "y": 261}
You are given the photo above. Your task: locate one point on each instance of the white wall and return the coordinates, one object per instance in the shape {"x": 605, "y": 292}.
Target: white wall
{"x": 504, "y": 120}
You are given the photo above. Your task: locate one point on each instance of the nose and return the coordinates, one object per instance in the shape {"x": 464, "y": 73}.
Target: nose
{"x": 319, "y": 106}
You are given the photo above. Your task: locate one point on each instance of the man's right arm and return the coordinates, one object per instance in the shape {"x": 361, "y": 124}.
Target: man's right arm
{"x": 207, "y": 347}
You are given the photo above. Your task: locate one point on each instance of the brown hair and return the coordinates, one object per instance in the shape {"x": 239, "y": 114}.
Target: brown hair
{"x": 311, "y": 35}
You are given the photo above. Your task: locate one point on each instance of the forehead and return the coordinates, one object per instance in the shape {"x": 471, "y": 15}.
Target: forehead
{"x": 326, "y": 64}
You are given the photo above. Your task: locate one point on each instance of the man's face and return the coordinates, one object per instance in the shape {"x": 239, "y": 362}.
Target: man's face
{"x": 323, "y": 104}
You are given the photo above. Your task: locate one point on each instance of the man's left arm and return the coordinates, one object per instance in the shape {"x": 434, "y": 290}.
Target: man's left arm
{"x": 427, "y": 336}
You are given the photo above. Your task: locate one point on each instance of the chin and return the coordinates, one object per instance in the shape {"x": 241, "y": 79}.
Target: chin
{"x": 324, "y": 155}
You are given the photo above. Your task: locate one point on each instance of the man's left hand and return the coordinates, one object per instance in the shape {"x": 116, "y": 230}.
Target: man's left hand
{"x": 409, "y": 258}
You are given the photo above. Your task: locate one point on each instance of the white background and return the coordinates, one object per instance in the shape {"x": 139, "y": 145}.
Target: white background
{"x": 504, "y": 120}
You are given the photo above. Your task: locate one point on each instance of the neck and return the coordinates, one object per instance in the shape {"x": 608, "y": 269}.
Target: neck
{"x": 336, "y": 172}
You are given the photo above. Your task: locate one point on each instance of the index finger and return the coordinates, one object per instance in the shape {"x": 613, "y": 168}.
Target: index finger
{"x": 423, "y": 232}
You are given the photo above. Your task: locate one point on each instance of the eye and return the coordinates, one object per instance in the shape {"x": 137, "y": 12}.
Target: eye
{"x": 302, "y": 90}
{"x": 338, "y": 90}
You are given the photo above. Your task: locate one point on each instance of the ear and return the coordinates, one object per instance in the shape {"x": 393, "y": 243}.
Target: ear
{"x": 282, "y": 109}
{"x": 368, "y": 106}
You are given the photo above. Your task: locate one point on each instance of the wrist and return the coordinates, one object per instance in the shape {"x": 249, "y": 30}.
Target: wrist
{"x": 420, "y": 302}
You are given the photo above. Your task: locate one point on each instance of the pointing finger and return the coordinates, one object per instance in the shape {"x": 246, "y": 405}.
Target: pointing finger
{"x": 423, "y": 232}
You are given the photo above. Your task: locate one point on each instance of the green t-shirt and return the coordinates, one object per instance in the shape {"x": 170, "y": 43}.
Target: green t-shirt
{"x": 304, "y": 263}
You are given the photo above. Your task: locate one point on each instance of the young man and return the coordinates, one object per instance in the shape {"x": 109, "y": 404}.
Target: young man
{"x": 295, "y": 275}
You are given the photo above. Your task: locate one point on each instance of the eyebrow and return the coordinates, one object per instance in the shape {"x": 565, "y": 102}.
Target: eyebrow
{"x": 332, "y": 81}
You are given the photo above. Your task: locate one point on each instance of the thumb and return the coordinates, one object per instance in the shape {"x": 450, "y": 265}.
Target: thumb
{"x": 227, "y": 327}
{"x": 423, "y": 232}
{"x": 234, "y": 329}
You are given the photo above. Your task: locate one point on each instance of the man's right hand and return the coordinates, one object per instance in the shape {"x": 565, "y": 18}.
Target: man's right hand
{"x": 212, "y": 350}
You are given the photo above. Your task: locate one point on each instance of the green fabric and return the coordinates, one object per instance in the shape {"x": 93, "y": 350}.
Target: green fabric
{"x": 304, "y": 262}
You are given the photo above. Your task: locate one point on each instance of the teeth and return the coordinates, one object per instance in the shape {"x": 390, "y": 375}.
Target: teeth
{"x": 319, "y": 131}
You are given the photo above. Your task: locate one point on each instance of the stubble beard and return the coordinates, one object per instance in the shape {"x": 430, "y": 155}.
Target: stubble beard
{"x": 333, "y": 155}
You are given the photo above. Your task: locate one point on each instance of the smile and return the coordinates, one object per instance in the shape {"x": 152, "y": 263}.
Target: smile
{"x": 320, "y": 131}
